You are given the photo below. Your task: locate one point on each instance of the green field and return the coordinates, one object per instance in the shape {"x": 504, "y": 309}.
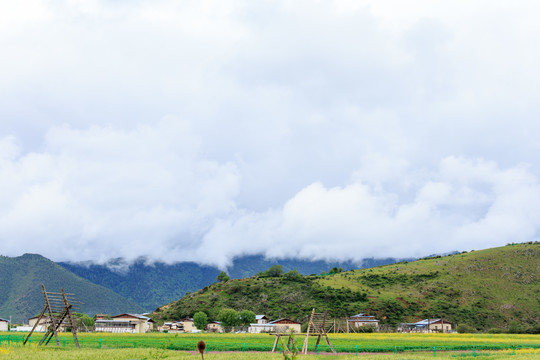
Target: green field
{"x": 18, "y": 352}
{"x": 344, "y": 343}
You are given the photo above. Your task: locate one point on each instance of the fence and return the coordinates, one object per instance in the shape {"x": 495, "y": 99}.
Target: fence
{"x": 216, "y": 346}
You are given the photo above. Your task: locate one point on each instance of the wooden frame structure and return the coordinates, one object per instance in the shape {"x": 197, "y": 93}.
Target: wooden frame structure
{"x": 59, "y": 313}
{"x": 316, "y": 327}
{"x": 289, "y": 342}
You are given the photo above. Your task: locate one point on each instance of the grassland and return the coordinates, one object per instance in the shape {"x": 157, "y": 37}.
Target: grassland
{"x": 483, "y": 289}
{"x": 33, "y": 352}
{"x": 352, "y": 343}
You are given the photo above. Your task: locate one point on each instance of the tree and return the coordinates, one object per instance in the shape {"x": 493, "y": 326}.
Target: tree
{"x": 200, "y": 320}
{"x": 293, "y": 275}
{"x": 222, "y": 277}
{"x": 87, "y": 320}
{"x": 275, "y": 270}
{"x": 228, "y": 317}
{"x": 247, "y": 317}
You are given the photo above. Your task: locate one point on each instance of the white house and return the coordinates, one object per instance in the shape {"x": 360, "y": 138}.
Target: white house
{"x": 43, "y": 324}
{"x": 285, "y": 325}
{"x": 362, "y": 319}
{"x": 214, "y": 326}
{"x": 125, "y": 323}
{"x": 4, "y": 325}
{"x": 261, "y": 319}
{"x": 427, "y": 325}
{"x": 261, "y": 328}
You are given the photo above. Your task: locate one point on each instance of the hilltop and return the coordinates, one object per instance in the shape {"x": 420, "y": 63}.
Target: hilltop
{"x": 21, "y": 278}
{"x": 482, "y": 289}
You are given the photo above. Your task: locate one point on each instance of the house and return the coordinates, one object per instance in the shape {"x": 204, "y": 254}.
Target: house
{"x": 101, "y": 316}
{"x": 43, "y": 324}
{"x": 261, "y": 328}
{"x": 4, "y": 325}
{"x": 362, "y": 319}
{"x": 214, "y": 326}
{"x": 285, "y": 325}
{"x": 186, "y": 325}
{"x": 426, "y": 325}
{"x": 125, "y": 323}
{"x": 181, "y": 326}
{"x": 261, "y": 319}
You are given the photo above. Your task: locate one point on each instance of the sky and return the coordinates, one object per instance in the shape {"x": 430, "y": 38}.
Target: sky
{"x": 206, "y": 130}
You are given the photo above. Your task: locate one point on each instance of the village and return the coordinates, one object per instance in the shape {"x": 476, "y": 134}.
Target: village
{"x": 141, "y": 323}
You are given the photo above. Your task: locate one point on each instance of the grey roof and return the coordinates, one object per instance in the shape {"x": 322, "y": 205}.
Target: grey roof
{"x": 4, "y": 320}
{"x": 275, "y": 321}
{"x": 427, "y": 321}
{"x": 259, "y": 317}
{"x": 362, "y": 315}
{"x": 138, "y": 316}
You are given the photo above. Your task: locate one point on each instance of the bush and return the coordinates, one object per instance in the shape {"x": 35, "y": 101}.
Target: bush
{"x": 275, "y": 271}
{"x": 465, "y": 329}
{"x": 514, "y": 328}
{"x": 495, "y": 331}
{"x": 223, "y": 277}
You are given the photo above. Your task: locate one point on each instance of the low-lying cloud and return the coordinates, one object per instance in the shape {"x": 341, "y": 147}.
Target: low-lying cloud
{"x": 101, "y": 193}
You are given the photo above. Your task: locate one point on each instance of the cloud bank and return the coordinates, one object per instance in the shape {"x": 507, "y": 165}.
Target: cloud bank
{"x": 201, "y": 131}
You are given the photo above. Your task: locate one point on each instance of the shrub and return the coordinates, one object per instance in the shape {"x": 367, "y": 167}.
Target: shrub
{"x": 495, "y": 331}
{"x": 465, "y": 329}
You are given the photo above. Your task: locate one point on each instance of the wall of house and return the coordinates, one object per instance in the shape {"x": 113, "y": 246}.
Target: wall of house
{"x": 444, "y": 327}
{"x": 284, "y": 328}
{"x": 3, "y": 326}
{"x": 214, "y": 327}
{"x": 188, "y": 326}
{"x": 260, "y": 329}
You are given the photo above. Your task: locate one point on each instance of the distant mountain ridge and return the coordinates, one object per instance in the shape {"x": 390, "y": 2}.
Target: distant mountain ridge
{"x": 21, "y": 297}
{"x": 152, "y": 286}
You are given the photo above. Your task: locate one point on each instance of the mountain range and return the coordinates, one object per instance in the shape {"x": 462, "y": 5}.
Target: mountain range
{"x": 21, "y": 295}
{"x": 156, "y": 284}
{"x": 119, "y": 286}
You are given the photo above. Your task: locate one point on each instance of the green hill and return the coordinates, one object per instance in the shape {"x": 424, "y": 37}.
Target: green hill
{"x": 152, "y": 285}
{"x": 483, "y": 289}
{"x": 20, "y": 283}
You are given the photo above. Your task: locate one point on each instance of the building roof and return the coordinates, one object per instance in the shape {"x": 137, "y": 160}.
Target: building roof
{"x": 259, "y": 317}
{"x": 426, "y": 322}
{"x": 362, "y": 315}
{"x": 136, "y": 316}
{"x": 4, "y": 320}
{"x": 279, "y": 320}
{"x": 111, "y": 321}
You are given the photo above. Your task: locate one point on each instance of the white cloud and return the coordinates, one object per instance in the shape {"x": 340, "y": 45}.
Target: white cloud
{"x": 470, "y": 204}
{"x": 212, "y": 129}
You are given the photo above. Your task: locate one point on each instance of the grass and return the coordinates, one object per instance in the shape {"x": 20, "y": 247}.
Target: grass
{"x": 352, "y": 343}
{"x": 33, "y": 352}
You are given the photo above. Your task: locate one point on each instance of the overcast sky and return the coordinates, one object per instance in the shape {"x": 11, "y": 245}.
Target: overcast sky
{"x": 204, "y": 130}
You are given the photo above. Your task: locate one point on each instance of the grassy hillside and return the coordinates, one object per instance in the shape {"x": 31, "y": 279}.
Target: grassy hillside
{"x": 20, "y": 283}
{"x": 154, "y": 285}
{"x": 483, "y": 289}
